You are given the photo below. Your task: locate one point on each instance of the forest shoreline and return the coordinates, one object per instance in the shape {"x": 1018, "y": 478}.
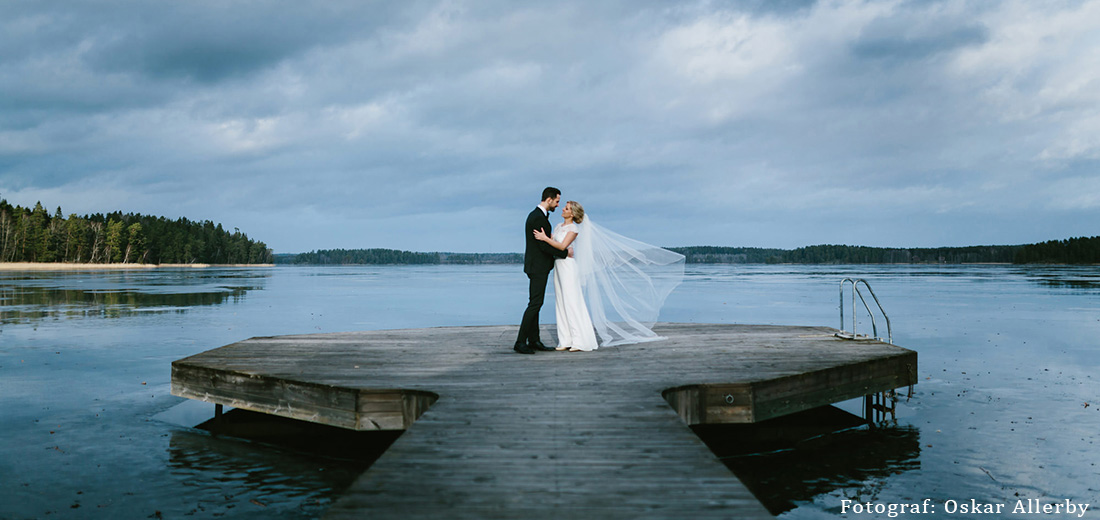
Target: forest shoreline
{"x": 62, "y": 266}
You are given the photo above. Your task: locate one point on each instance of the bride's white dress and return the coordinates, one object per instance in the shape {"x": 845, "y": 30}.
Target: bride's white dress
{"x": 613, "y": 286}
{"x": 574, "y": 322}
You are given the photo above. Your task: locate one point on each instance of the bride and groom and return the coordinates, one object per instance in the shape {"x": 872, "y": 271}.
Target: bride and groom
{"x": 608, "y": 288}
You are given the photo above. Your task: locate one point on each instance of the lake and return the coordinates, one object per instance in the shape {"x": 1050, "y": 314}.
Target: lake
{"x": 1007, "y": 407}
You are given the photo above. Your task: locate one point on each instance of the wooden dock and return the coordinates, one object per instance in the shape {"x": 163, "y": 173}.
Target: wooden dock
{"x": 495, "y": 434}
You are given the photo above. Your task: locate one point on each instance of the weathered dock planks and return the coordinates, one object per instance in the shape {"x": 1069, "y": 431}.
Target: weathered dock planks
{"x": 493, "y": 434}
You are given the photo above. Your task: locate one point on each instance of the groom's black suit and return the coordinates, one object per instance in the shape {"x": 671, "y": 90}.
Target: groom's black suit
{"x": 538, "y": 260}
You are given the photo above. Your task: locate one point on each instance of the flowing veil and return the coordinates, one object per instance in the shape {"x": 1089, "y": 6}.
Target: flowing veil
{"x": 625, "y": 282}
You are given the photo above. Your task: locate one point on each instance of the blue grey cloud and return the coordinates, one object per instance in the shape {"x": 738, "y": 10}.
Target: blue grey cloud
{"x": 434, "y": 125}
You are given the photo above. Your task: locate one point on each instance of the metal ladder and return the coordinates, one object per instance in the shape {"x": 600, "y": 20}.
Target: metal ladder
{"x": 876, "y": 407}
{"x": 855, "y": 283}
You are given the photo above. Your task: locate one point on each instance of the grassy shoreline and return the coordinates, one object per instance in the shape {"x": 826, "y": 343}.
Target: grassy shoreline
{"x": 60, "y": 266}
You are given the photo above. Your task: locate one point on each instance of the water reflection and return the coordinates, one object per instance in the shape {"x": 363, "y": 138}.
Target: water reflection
{"x": 1008, "y": 364}
{"x": 359, "y": 447}
{"x": 1055, "y": 276}
{"x": 27, "y": 297}
{"x": 270, "y": 464}
{"x": 792, "y": 459}
{"x": 1070, "y": 281}
{"x": 253, "y": 478}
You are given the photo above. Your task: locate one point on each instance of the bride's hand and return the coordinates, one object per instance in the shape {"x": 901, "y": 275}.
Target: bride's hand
{"x": 539, "y": 235}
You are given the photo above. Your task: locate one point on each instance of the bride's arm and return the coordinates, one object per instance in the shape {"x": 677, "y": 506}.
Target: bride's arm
{"x": 563, "y": 245}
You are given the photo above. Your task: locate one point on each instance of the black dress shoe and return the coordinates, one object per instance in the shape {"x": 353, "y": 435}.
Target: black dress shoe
{"x": 523, "y": 349}
{"x": 539, "y": 346}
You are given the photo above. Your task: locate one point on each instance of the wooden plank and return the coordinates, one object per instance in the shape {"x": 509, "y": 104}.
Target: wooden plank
{"x": 297, "y": 400}
{"x": 493, "y": 434}
{"x": 783, "y": 396}
{"x": 335, "y": 406}
{"x": 724, "y": 404}
{"x": 688, "y": 402}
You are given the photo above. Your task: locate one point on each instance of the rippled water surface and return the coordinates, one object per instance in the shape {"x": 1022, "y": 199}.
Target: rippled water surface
{"x": 1007, "y": 407}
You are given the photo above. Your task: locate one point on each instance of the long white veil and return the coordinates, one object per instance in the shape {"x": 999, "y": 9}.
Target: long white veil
{"x": 625, "y": 282}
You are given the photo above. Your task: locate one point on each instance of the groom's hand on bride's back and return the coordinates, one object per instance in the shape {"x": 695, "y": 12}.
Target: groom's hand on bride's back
{"x": 570, "y": 252}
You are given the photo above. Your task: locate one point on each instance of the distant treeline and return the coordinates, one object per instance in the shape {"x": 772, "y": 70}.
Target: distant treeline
{"x": 1080, "y": 250}
{"x": 838, "y": 254}
{"x": 33, "y": 235}
{"x": 729, "y": 255}
{"x": 392, "y": 256}
{"x": 1070, "y": 251}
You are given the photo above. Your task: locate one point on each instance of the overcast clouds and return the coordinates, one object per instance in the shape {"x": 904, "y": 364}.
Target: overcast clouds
{"x": 433, "y": 126}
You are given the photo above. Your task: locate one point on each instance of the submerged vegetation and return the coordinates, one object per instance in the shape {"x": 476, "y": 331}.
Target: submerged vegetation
{"x": 33, "y": 235}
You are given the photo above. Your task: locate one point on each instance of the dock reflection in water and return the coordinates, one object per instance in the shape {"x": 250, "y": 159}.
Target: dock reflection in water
{"x": 783, "y": 461}
{"x": 792, "y": 459}
{"x": 288, "y": 465}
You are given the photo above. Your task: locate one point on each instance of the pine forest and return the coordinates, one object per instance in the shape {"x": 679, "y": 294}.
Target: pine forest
{"x": 33, "y": 235}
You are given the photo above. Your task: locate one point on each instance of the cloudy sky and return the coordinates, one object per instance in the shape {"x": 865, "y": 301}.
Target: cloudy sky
{"x": 434, "y": 126}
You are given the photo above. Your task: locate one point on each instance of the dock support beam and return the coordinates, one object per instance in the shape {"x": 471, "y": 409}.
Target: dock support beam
{"x": 875, "y": 407}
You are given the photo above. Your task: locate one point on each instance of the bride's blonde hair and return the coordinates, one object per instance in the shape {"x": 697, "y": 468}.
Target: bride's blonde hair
{"x": 578, "y": 211}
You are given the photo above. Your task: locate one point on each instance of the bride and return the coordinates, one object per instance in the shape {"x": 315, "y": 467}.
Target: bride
{"x": 612, "y": 286}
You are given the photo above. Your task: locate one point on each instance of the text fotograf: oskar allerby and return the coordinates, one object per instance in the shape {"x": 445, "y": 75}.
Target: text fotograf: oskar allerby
{"x": 968, "y": 506}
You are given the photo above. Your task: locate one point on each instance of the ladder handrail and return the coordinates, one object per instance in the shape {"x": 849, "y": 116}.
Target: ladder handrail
{"x": 889, "y": 332}
{"x": 857, "y": 292}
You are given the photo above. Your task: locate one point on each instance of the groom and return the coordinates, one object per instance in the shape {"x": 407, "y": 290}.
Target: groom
{"x": 538, "y": 260}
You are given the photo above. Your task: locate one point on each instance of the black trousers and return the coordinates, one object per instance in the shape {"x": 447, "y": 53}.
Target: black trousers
{"x": 529, "y": 327}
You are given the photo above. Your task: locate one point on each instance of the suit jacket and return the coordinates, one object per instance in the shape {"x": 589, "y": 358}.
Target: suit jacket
{"x": 538, "y": 257}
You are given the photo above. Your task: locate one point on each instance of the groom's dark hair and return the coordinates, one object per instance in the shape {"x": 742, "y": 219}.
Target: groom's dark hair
{"x": 550, "y": 192}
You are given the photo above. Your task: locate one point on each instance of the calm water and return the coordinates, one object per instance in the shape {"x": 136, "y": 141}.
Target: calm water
{"x": 1007, "y": 406}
